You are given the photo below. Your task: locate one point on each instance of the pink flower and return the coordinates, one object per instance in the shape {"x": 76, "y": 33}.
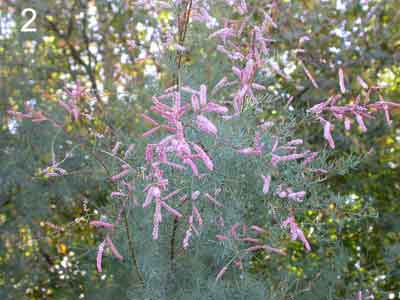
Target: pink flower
{"x": 188, "y": 233}
{"x": 214, "y": 107}
{"x": 203, "y": 155}
{"x": 220, "y": 84}
{"x": 361, "y": 123}
{"x": 347, "y": 123}
{"x": 157, "y": 218}
{"x": 341, "y": 81}
{"x": 196, "y": 213}
{"x": 296, "y": 232}
{"x": 221, "y": 237}
{"x": 257, "y": 229}
{"x": 221, "y": 273}
{"x": 213, "y": 200}
{"x": 120, "y": 175}
{"x": 171, "y": 210}
{"x": 250, "y": 151}
{"x": 363, "y": 84}
{"x": 359, "y": 295}
{"x": 309, "y": 75}
{"x": 298, "y": 196}
{"x": 328, "y": 135}
{"x": 206, "y": 125}
{"x": 267, "y": 181}
{"x": 192, "y": 165}
{"x": 195, "y": 103}
{"x": 113, "y": 249}
{"x": 153, "y": 192}
{"x": 102, "y": 224}
{"x": 99, "y": 257}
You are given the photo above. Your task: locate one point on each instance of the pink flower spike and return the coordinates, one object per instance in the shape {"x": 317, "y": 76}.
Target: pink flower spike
{"x": 310, "y": 77}
{"x": 195, "y": 103}
{"x": 188, "y": 235}
{"x": 203, "y": 155}
{"x": 195, "y": 195}
{"x": 99, "y": 257}
{"x": 153, "y": 192}
{"x": 387, "y": 115}
{"x": 258, "y": 87}
{"x": 102, "y": 224}
{"x": 221, "y": 237}
{"x": 116, "y": 148}
{"x": 347, "y": 123}
{"x": 298, "y": 196}
{"x": 233, "y": 231}
{"x": 120, "y": 175}
{"x": 213, "y": 200}
{"x": 157, "y": 218}
{"x": 363, "y": 84}
{"x": 196, "y": 213}
{"x": 249, "y": 151}
{"x": 328, "y": 135}
{"x": 255, "y": 248}
{"x": 361, "y": 123}
{"x": 113, "y": 249}
{"x": 171, "y": 210}
{"x": 151, "y": 131}
{"x": 301, "y": 236}
{"x": 149, "y": 152}
{"x": 206, "y": 125}
{"x": 203, "y": 95}
{"x": 220, "y": 84}
{"x": 214, "y": 107}
{"x": 192, "y": 165}
{"x": 295, "y": 142}
{"x": 296, "y": 232}
{"x": 359, "y": 295}
{"x": 250, "y": 240}
{"x": 257, "y": 229}
{"x": 341, "y": 81}
{"x": 310, "y": 158}
{"x": 267, "y": 182}
{"x": 170, "y": 195}
{"x": 150, "y": 120}
{"x": 221, "y": 273}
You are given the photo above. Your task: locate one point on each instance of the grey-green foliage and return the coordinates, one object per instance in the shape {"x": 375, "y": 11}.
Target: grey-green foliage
{"x": 191, "y": 274}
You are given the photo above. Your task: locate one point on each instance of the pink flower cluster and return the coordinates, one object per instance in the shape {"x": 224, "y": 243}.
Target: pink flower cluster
{"x": 295, "y": 232}
{"x": 248, "y": 52}
{"x": 106, "y": 242}
{"x": 358, "y": 109}
{"x": 176, "y": 145}
{"x": 31, "y": 114}
{"x": 71, "y": 106}
{"x": 252, "y": 243}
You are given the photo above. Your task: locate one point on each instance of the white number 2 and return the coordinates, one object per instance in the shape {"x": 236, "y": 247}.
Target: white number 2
{"x": 26, "y": 27}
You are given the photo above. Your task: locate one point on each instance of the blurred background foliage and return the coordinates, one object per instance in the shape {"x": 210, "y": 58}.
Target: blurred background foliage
{"x": 47, "y": 249}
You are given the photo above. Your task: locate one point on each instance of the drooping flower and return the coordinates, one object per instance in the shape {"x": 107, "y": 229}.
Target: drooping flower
{"x": 99, "y": 257}
{"x": 113, "y": 249}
